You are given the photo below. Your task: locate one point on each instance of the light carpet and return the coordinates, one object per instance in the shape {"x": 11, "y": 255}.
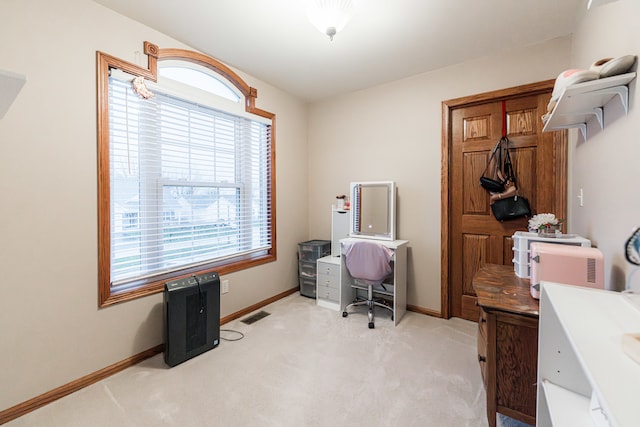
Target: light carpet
{"x": 302, "y": 365}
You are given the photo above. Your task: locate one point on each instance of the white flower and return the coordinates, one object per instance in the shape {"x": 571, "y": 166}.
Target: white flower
{"x": 541, "y": 220}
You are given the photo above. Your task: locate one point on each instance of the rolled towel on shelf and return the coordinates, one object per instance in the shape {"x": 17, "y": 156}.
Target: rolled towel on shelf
{"x": 608, "y": 67}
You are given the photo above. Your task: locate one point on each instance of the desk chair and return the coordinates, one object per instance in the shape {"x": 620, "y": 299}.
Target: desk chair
{"x": 368, "y": 264}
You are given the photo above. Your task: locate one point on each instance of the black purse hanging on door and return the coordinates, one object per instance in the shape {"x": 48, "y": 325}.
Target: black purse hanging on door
{"x": 491, "y": 181}
{"x": 512, "y": 207}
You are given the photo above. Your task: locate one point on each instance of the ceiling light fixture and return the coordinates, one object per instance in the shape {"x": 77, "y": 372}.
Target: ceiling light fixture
{"x": 330, "y": 16}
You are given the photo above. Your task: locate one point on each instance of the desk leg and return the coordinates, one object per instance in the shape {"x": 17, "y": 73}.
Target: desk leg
{"x": 400, "y": 284}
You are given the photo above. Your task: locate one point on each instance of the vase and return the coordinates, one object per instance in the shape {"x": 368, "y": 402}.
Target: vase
{"x": 549, "y": 231}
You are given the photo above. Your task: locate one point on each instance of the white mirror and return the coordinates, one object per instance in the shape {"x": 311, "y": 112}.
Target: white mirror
{"x": 373, "y": 210}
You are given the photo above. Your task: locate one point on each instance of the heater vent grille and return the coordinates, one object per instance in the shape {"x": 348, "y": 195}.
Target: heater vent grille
{"x": 591, "y": 270}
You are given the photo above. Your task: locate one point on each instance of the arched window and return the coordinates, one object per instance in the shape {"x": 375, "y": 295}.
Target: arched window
{"x": 198, "y": 77}
{"x": 186, "y": 172}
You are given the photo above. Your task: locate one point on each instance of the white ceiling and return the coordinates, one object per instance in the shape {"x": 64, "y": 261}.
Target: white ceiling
{"x": 385, "y": 41}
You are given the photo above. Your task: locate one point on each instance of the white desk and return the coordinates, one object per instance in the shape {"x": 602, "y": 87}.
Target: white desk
{"x": 399, "y": 248}
{"x": 580, "y": 355}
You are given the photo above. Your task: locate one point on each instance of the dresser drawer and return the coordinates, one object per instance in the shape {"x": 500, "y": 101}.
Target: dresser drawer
{"x": 327, "y": 269}
{"x": 483, "y": 327}
{"x": 307, "y": 287}
{"x": 307, "y": 269}
{"x": 328, "y": 293}
{"x": 482, "y": 356}
{"x": 328, "y": 281}
{"x": 482, "y": 324}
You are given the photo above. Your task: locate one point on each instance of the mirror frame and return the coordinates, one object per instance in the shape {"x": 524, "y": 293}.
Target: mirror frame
{"x": 391, "y": 210}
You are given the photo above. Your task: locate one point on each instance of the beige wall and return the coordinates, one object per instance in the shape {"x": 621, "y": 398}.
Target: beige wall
{"x": 393, "y": 132}
{"x": 51, "y": 329}
{"x": 605, "y": 166}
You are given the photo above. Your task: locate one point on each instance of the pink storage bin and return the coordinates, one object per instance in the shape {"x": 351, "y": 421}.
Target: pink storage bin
{"x": 572, "y": 265}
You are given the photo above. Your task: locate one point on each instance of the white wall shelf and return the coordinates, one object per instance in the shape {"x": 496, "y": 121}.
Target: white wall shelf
{"x": 10, "y": 85}
{"x": 581, "y": 102}
{"x": 584, "y": 376}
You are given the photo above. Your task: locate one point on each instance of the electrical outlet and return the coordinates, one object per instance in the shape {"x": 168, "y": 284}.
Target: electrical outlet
{"x": 581, "y": 197}
{"x": 225, "y": 287}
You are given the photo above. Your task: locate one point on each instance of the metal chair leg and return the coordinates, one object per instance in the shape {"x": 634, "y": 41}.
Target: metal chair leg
{"x": 371, "y": 304}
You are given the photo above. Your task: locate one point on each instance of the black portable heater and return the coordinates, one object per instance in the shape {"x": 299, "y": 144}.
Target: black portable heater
{"x": 192, "y": 317}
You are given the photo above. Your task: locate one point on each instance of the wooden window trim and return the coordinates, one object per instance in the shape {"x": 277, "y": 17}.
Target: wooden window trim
{"x": 106, "y": 295}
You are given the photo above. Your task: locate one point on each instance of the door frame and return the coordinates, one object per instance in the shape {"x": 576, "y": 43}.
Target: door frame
{"x": 447, "y": 107}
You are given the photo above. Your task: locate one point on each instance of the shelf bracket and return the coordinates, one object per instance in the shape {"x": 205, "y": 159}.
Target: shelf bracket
{"x": 581, "y": 125}
{"x": 11, "y": 84}
{"x": 623, "y": 93}
{"x": 583, "y": 130}
{"x": 595, "y": 111}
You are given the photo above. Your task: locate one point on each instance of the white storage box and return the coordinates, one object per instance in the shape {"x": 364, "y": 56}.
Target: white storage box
{"x": 522, "y": 248}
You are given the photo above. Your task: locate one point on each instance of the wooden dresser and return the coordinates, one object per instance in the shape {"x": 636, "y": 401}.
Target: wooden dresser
{"x": 507, "y": 342}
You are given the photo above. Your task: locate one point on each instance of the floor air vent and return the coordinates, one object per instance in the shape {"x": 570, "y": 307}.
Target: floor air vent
{"x": 255, "y": 317}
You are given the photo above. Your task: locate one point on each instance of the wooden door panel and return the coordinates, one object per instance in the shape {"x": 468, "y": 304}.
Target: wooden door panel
{"x": 526, "y": 169}
{"x": 477, "y": 125}
{"x": 523, "y": 116}
{"x": 522, "y": 122}
{"x": 477, "y": 249}
{"x": 475, "y": 236}
{"x": 476, "y": 128}
{"x": 474, "y": 135}
{"x": 475, "y": 197}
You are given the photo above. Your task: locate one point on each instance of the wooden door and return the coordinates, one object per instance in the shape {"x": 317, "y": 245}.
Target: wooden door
{"x": 539, "y": 159}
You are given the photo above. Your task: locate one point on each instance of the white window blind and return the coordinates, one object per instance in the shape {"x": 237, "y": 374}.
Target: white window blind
{"x": 189, "y": 185}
